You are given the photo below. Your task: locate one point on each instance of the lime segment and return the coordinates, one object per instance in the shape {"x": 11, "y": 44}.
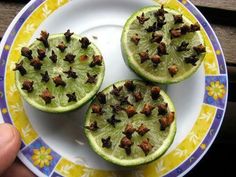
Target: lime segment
{"x": 62, "y": 74}
{"x": 132, "y": 127}
{"x": 163, "y": 46}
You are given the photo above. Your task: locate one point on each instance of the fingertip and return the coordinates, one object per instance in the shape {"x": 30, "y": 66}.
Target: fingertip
{"x": 9, "y": 135}
{"x": 9, "y": 144}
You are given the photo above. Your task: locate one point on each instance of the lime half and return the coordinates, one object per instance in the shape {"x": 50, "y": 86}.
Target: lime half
{"x": 131, "y": 123}
{"x": 162, "y": 45}
{"x": 59, "y": 72}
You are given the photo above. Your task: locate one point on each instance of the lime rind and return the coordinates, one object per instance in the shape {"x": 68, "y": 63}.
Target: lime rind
{"x": 57, "y": 108}
{"x": 136, "y": 161}
{"x": 139, "y": 70}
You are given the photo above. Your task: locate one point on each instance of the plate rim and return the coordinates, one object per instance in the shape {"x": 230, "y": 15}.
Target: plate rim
{"x": 226, "y": 101}
{"x": 16, "y": 19}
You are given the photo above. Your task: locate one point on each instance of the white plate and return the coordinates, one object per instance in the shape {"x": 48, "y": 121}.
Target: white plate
{"x": 200, "y": 107}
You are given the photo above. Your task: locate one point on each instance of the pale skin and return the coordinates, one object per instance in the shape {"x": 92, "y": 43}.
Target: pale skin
{"x": 9, "y": 146}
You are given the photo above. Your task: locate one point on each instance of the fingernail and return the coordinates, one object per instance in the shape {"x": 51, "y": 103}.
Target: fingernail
{"x": 6, "y": 134}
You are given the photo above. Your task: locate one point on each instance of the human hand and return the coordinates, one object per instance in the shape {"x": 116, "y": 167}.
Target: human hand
{"x": 9, "y": 147}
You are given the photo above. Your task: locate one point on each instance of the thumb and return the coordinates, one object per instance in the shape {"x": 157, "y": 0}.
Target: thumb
{"x": 9, "y": 145}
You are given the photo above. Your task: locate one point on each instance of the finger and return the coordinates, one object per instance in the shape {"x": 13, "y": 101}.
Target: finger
{"x": 9, "y": 145}
{"x": 17, "y": 169}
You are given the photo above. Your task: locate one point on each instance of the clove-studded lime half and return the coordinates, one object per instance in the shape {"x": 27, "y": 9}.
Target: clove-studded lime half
{"x": 131, "y": 123}
{"x": 59, "y": 72}
{"x": 162, "y": 45}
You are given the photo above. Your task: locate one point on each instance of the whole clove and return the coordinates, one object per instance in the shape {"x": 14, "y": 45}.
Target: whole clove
{"x": 28, "y": 85}
{"x": 84, "y": 42}
{"x": 20, "y": 68}
{"x": 126, "y": 144}
{"x": 92, "y": 79}
{"x": 97, "y": 60}
{"x": 142, "y": 130}
{"x": 26, "y": 52}
{"x": 70, "y": 73}
{"x": 144, "y": 56}
{"x": 44, "y": 38}
{"x": 58, "y": 81}
{"x": 47, "y": 96}
{"x": 62, "y": 47}
{"x": 71, "y": 97}
{"x": 68, "y": 35}
{"x": 70, "y": 58}
{"x": 45, "y": 77}
{"x": 106, "y": 142}
{"x": 53, "y": 57}
{"x": 93, "y": 126}
{"x": 146, "y": 146}
{"x": 113, "y": 121}
{"x": 142, "y": 19}
{"x": 36, "y": 63}
{"x": 173, "y": 69}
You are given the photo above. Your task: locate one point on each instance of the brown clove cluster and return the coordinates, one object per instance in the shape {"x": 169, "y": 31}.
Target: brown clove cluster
{"x": 37, "y": 61}
{"x": 179, "y": 31}
{"x": 126, "y": 142}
